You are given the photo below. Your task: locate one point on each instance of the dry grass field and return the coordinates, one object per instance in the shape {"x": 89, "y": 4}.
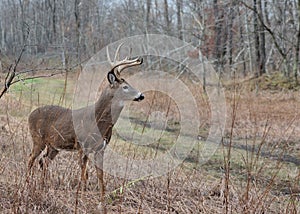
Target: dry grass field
{"x": 254, "y": 170}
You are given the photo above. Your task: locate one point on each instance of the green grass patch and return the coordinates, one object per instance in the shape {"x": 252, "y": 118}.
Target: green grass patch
{"x": 44, "y": 91}
{"x": 275, "y": 82}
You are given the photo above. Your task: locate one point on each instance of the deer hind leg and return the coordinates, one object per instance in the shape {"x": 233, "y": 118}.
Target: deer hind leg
{"x": 50, "y": 155}
{"x": 99, "y": 170}
{"x": 38, "y": 147}
{"x": 83, "y": 159}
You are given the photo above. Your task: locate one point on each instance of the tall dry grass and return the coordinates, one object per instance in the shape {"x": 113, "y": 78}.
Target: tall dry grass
{"x": 256, "y": 170}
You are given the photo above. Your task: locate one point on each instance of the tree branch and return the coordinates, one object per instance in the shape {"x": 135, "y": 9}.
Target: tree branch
{"x": 12, "y": 72}
{"x": 35, "y": 77}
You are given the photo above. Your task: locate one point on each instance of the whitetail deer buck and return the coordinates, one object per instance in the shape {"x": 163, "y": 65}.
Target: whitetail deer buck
{"x": 52, "y": 126}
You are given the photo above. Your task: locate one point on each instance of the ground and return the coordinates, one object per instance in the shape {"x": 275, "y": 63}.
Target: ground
{"x": 254, "y": 170}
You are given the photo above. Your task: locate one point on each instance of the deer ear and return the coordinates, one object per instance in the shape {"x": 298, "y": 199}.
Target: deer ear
{"x": 111, "y": 77}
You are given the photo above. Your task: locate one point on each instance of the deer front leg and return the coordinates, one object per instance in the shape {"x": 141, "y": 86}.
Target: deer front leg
{"x": 101, "y": 185}
{"x": 83, "y": 159}
{"x": 38, "y": 147}
{"x": 99, "y": 170}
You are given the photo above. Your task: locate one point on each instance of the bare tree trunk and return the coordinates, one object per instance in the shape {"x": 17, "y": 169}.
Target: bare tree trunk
{"x": 167, "y": 19}
{"x": 217, "y": 31}
{"x": 148, "y": 9}
{"x": 242, "y": 42}
{"x": 43, "y": 31}
{"x": 64, "y": 56}
{"x": 230, "y": 32}
{"x": 256, "y": 38}
{"x": 220, "y": 36}
{"x": 179, "y": 19}
{"x": 283, "y": 16}
{"x": 35, "y": 36}
{"x": 23, "y": 5}
{"x": 249, "y": 43}
{"x": 77, "y": 21}
{"x": 262, "y": 42}
{"x": 296, "y": 64}
{"x": 53, "y": 20}
{"x": 2, "y": 34}
{"x": 156, "y": 9}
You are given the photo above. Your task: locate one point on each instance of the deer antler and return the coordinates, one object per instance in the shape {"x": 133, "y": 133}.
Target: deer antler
{"x": 122, "y": 64}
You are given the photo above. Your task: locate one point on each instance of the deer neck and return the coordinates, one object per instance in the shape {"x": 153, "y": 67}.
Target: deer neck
{"x": 108, "y": 108}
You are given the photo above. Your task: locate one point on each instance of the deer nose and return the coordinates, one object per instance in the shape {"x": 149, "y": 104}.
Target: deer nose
{"x": 140, "y": 97}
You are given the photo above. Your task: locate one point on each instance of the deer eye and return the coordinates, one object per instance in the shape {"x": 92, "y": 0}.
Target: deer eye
{"x": 125, "y": 87}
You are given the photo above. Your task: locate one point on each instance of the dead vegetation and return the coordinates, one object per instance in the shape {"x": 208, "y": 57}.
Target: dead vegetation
{"x": 255, "y": 170}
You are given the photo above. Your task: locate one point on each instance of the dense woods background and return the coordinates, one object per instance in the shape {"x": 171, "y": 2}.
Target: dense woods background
{"x": 245, "y": 37}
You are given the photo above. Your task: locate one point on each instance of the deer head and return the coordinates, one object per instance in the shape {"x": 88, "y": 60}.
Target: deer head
{"x": 123, "y": 91}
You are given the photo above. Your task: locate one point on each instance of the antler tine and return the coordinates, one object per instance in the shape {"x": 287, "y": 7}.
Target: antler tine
{"x": 130, "y": 52}
{"x": 122, "y": 64}
{"x": 118, "y": 51}
{"x": 137, "y": 60}
{"x": 112, "y": 63}
{"x": 108, "y": 56}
